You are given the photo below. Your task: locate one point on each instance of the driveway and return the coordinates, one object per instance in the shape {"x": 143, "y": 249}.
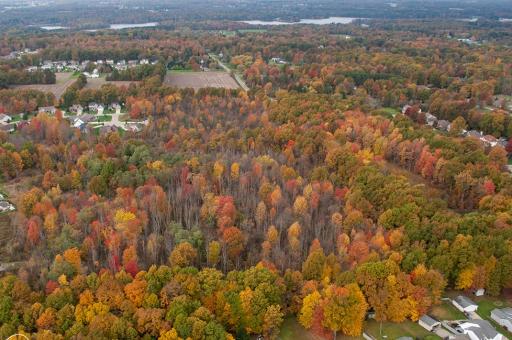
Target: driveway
{"x": 473, "y": 316}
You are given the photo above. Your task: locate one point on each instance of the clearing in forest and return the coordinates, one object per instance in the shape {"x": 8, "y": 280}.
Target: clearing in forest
{"x": 198, "y": 80}
{"x": 63, "y": 80}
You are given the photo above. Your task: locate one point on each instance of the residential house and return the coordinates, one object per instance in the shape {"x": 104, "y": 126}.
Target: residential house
{"x": 405, "y": 108}
{"x": 80, "y": 122}
{"x": 110, "y": 62}
{"x": 107, "y": 129}
{"x": 93, "y": 107}
{"x": 6, "y": 206}
{"x": 11, "y": 127}
{"x": 464, "y": 304}
{"x": 278, "y": 60}
{"x": 144, "y": 61}
{"x": 48, "y": 109}
{"x": 489, "y": 140}
{"x": 101, "y": 109}
{"x": 4, "y": 119}
{"x": 503, "y": 317}
{"x": 76, "y": 109}
{"x": 430, "y": 119}
{"x": 474, "y": 133}
{"x": 479, "y": 330}
{"x": 428, "y": 322}
{"x": 116, "y": 107}
{"x": 443, "y": 125}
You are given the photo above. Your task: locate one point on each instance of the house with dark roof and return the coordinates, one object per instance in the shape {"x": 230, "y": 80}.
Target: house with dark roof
{"x": 479, "y": 330}
{"x": 443, "y": 125}
{"x": 10, "y": 127}
{"x": 503, "y": 317}
{"x": 464, "y": 304}
{"x": 428, "y": 322}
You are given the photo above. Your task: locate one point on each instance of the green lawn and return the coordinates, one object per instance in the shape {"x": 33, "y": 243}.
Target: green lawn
{"x": 392, "y": 330}
{"x": 446, "y": 311}
{"x": 182, "y": 70}
{"x": 486, "y": 305}
{"x": 16, "y": 117}
{"x": 254, "y": 30}
{"x": 104, "y": 118}
{"x": 228, "y": 33}
{"x": 387, "y": 112}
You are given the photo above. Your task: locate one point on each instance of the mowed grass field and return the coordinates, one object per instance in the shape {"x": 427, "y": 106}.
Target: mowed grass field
{"x": 96, "y": 83}
{"x": 63, "y": 80}
{"x": 198, "y": 80}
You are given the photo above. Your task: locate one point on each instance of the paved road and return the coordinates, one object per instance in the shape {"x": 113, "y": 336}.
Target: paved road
{"x": 237, "y": 77}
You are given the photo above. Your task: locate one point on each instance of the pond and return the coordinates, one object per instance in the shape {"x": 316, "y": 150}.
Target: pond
{"x": 325, "y": 21}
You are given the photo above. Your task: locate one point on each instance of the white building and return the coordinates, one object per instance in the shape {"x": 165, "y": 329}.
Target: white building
{"x": 479, "y": 330}
{"x": 428, "y": 323}
{"x": 5, "y": 119}
{"x": 503, "y": 317}
{"x": 464, "y": 304}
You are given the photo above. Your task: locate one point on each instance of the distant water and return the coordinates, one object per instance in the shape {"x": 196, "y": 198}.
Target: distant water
{"x": 326, "y": 21}
{"x": 53, "y": 28}
{"x": 505, "y": 20}
{"x": 123, "y": 26}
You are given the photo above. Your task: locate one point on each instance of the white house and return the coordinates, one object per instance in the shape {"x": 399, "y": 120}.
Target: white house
{"x": 4, "y": 119}
{"x": 6, "y": 206}
{"x": 503, "y": 317}
{"x": 101, "y": 108}
{"x": 428, "y": 323}
{"x": 116, "y": 107}
{"x": 479, "y": 330}
{"x": 464, "y": 304}
{"x": 82, "y": 120}
{"x": 76, "y": 109}
{"x": 48, "y": 109}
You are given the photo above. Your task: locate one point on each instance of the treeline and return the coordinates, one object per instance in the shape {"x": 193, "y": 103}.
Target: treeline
{"x": 23, "y": 77}
{"x": 139, "y": 72}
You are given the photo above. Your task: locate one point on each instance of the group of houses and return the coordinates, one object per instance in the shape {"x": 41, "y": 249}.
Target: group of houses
{"x": 73, "y": 65}
{"x": 474, "y": 328}
{"x": 445, "y": 126}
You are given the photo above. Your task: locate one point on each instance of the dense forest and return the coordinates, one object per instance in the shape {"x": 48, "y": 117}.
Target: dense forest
{"x": 313, "y": 194}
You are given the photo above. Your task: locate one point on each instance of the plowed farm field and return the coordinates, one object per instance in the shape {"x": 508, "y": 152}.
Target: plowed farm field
{"x": 198, "y": 80}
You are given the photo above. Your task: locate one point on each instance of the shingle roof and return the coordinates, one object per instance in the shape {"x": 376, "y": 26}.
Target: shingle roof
{"x": 482, "y": 328}
{"x": 503, "y": 313}
{"x": 464, "y": 301}
{"x": 429, "y": 320}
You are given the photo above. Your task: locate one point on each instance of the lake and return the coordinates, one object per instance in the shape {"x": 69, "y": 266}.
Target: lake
{"x": 123, "y": 26}
{"x": 326, "y": 21}
{"x": 53, "y": 28}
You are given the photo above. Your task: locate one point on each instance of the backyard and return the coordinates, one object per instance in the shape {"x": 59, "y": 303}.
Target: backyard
{"x": 486, "y": 304}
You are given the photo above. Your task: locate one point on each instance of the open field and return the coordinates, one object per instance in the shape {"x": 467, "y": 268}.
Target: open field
{"x": 197, "y": 80}
{"x": 446, "y": 311}
{"x": 63, "y": 80}
{"x": 391, "y": 330}
{"x": 96, "y": 83}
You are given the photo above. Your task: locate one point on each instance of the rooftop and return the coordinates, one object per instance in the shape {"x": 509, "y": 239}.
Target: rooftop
{"x": 464, "y": 301}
